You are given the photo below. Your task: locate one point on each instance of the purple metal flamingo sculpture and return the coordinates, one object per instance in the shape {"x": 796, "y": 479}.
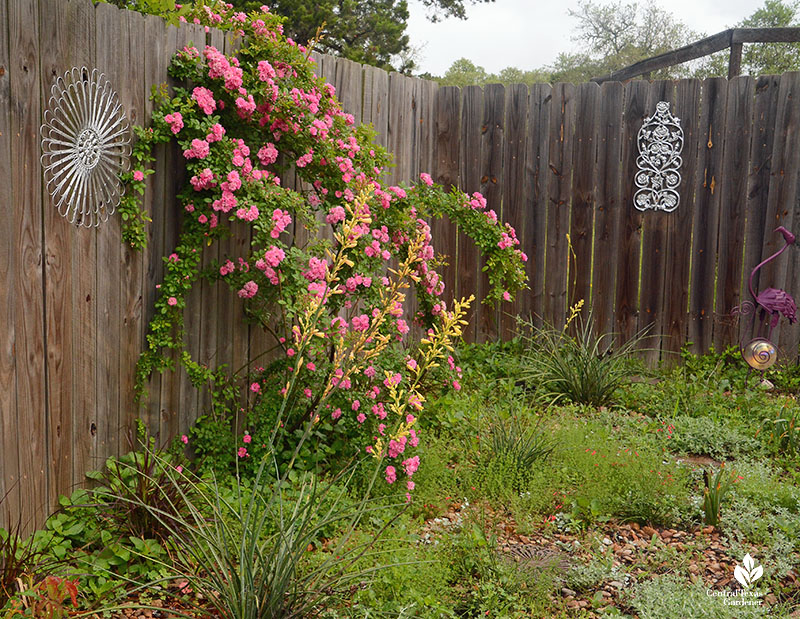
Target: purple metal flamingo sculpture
{"x": 770, "y": 304}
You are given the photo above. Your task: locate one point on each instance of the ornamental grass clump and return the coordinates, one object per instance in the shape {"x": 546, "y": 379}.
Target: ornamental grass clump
{"x": 512, "y": 452}
{"x": 331, "y": 260}
{"x": 246, "y": 549}
{"x": 584, "y": 368}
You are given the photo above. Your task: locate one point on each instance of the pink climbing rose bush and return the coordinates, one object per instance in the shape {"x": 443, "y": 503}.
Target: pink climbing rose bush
{"x": 332, "y": 260}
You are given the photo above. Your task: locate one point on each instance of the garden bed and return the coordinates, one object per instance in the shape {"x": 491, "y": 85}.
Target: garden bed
{"x": 569, "y": 510}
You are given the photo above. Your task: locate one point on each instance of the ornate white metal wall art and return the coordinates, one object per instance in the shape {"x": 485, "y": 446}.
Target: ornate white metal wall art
{"x": 660, "y": 142}
{"x": 85, "y": 145}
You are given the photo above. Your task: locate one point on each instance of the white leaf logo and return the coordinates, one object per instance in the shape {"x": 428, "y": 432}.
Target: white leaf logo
{"x": 748, "y": 574}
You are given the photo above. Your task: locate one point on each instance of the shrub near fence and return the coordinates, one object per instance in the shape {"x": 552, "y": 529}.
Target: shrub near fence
{"x": 556, "y": 161}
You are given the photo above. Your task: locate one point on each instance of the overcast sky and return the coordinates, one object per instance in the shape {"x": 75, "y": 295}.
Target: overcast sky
{"x": 530, "y": 33}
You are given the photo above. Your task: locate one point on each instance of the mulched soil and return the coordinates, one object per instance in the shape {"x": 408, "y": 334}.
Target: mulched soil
{"x": 639, "y": 551}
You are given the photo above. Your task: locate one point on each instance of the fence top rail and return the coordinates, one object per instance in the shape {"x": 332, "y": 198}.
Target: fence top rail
{"x": 733, "y": 38}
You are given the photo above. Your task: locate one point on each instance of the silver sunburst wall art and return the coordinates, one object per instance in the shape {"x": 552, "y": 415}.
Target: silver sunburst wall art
{"x": 85, "y": 146}
{"x": 658, "y": 178}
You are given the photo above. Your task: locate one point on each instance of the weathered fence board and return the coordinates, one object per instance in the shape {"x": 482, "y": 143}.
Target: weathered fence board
{"x": 514, "y": 185}
{"x": 557, "y": 162}
{"x": 9, "y": 440}
{"x": 629, "y": 235}
{"x": 470, "y": 173}
{"x": 562, "y": 124}
{"x": 678, "y": 262}
{"x": 608, "y": 207}
{"x": 491, "y": 182}
{"x": 710, "y": 149}
{"x": 655, "y": 247}
{"x": 782, "y": 200}
{"x": 733, "y": 201}
{"x": 31, "y": 428}
{"x": 584, "y": 167}
{"x": 538, "y": 170}
{"x": 446, "y": 173}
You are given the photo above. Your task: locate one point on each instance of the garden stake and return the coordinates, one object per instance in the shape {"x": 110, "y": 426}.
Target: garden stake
{"x": 760, "y": 352}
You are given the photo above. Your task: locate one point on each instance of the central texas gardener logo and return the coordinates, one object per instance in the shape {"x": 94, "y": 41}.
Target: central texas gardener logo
{"x": 748, "y": 574}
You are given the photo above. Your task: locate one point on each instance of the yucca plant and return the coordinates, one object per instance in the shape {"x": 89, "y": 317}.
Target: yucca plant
{"x": 584, "y": 368}
{"x": 246, "y": 551}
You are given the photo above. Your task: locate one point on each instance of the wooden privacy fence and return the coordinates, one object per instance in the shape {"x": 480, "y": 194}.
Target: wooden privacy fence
{"x": 557, "y": 162}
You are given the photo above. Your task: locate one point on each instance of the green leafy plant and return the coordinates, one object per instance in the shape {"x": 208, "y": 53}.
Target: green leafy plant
{"x": 584, "y": 368}
{"x": 782, "y": 434}
{"x": 704, "y": 435}
{"x": 247, "y": 552}
{"x": 134, "y": 485}
{"x": 715, "y": 490}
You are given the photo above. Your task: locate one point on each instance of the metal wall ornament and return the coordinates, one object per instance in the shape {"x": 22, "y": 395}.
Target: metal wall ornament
{"x": 660, "y": 142}
{"x": 85, "y": 146}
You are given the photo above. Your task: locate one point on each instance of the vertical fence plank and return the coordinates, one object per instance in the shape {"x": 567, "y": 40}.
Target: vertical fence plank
{"x": 733, "y": 200}
{"x": 225, "y": 310}
{"x": 608, "y": 207}
{"x": 130, "y": 89}
{"x": 156, "y": 61}
{"x": 29, "y": 310}
{"x": 514, "y": 186}
{"x": 446, "y": 173}
{"x": 629, "y": 235}
{"x": 678, "y": 262}
{"x": 470, "y": 173}
{"x": 401, "y": 130}
{"x": 84, "y": 292}
{"x": 349, "y": 81}
{"x": 782, "y": 206}
{"x": 706, "y": 213}
{"x": 492, "y": 172}
{"x": 111, "y": 31}
{"x": 169, "y": 176}
{"x": 536, "y": 199}
{"x": 9, "y": 443}
{"x": 759, "y": 173}
{"x": 189, "y": 34}
{"x": 655, "y": 249}
{"x": 583, "y": 194}
{"x": 562, "y": 125}
{"x": 60, "y": 50}
{"x": 376, "y": 102}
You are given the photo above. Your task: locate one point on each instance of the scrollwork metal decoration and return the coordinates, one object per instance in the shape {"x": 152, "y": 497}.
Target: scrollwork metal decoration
{"x": 85, "y": 145}
{"x": 660, "y": 143}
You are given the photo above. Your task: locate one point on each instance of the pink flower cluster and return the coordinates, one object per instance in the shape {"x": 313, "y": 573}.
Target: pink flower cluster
{"x": 205, "y": 99}
{"x": 280, "y": 220}
{"x": 199, "y": 150}
{"x": 175, "y": 122}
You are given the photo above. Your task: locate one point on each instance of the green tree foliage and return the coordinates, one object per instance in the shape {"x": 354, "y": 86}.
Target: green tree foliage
{"x": 367, "y": 31}
{"x": 763, "y": 58}
{"x": 448, "y": 8}
{"x": 616, "y": 35}
{"x": 464, "y": 72}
